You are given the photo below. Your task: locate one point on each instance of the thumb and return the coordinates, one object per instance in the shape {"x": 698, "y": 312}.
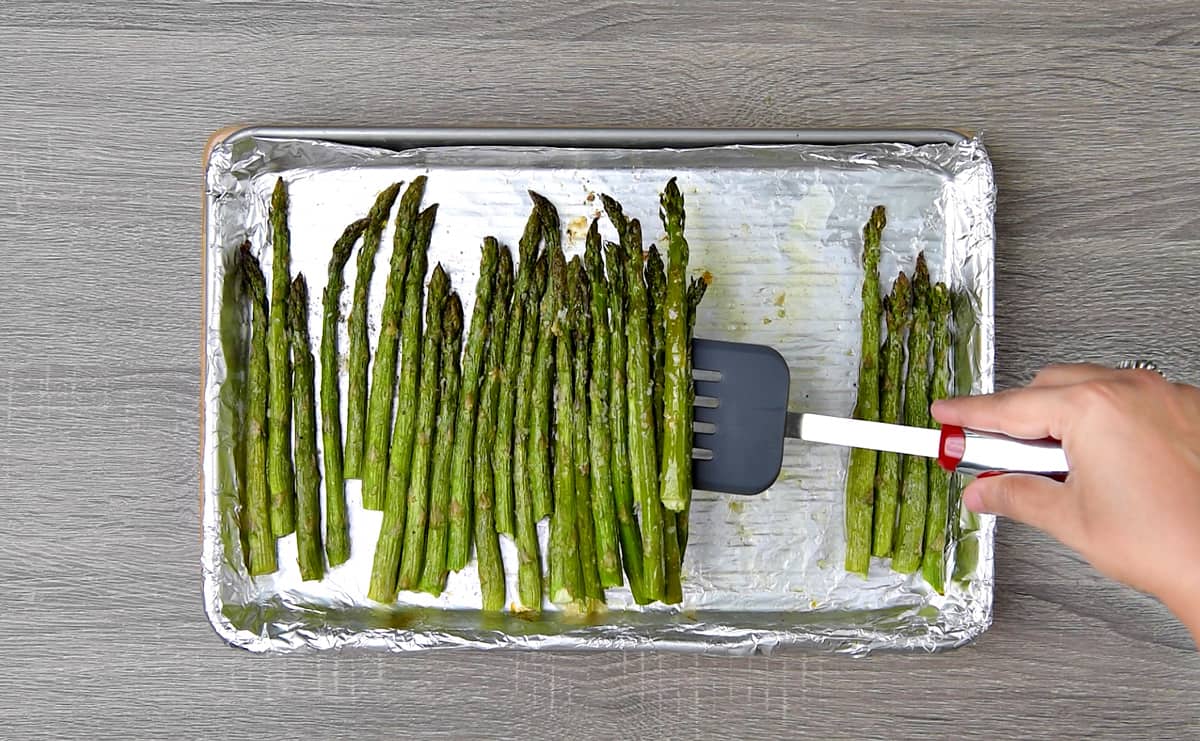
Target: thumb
{"x": 1034, "y": 500}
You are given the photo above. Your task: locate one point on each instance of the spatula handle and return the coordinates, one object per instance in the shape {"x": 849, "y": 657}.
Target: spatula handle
{"x": 981, "y": 453}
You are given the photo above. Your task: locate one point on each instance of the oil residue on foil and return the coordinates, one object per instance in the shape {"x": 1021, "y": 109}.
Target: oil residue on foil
{"x": 776, "y": 232}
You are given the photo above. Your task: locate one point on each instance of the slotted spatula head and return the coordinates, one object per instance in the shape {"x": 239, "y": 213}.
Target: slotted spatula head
{"x": 740, "y": 415}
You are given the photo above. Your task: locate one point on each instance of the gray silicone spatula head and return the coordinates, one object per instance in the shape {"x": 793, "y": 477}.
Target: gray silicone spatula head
{"x": 740, "y": 414}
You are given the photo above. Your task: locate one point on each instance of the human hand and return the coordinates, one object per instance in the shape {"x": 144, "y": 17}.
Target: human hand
{"x": 1131, "y": 504}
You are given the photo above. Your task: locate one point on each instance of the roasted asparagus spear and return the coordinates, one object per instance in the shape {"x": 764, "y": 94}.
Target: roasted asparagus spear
{"x": 433, "y": 574}
{"x": 487, "y": 541}
{"x": 412, "y": 233}
{"x": 257, "y": 515}
{"x": 676, "y": 491}
{"x": 964, "y": 523}
{"x": 538, "y": 447}
{"x": 356, "y": 328}
{"x": 887, "y": 473}
{"x": 404, "y": 427}
{"x": 565, "y": 579}
{"x": 337, "y": 534}
{"x": 643, "y": 467}
{"x": 599, "y": 430}
{"x": 529, "y": 563}
{"x": 422, "y": 456}
{"x": 308, "y": 471}
{"x": 933, "y": 563}
{"x": 402, "y": 534}
{"x": 860, "y": 480}
{"x": 461, "y": 479}
{"x": 622, "y": 472}
{"x": 580, "y": 324}
{"x": 279, "y": 433}
{"x": 520, "y": 324}
{"x": 914, "y": 494}
{"x": 696, "y": 291}
{"x": 656, "y": 298}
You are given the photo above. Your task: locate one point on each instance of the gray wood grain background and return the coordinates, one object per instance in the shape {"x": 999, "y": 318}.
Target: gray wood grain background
{"x": 1090, "y": 111}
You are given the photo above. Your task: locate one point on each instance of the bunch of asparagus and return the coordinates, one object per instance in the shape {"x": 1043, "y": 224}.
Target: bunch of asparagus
{"x": 899, "y": 507}
{"x": 570, "y": 397}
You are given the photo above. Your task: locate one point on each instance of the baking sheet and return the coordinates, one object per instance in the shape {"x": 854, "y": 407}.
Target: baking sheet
{"x": 779, "y": 229}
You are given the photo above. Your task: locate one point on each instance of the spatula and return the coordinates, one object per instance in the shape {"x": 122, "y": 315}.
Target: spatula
{"x": 742, "y": 418}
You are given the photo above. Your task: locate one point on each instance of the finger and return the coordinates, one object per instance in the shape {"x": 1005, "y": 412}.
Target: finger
{"x": 1066, "y": 374}
{"x": 1029, "y": 413}
{"x": 1034, "y": 500}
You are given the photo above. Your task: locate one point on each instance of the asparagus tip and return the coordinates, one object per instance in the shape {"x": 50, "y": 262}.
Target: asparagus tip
{"x": 452, "y": 320}
{"x": 298, "y": 301}
{"x": 920, "y": 282}
{"x": 671, "y": 202}
{"x": 941, "y": 299}
{"x": 439, "y": 282}
{"x": 654, "y": 261}
{"x": 635, "y": 236}
{"x": 878, "y": 218}
{"x": 897, "y": 304}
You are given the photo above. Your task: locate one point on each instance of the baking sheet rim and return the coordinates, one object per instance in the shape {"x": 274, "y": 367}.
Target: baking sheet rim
{"x": 401, "y": 138}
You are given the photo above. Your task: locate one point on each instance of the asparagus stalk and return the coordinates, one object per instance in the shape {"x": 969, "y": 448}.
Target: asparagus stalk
{"x": 257, "y": 515}
{"x": 580, "y": 321}
{"x": 656, "y": 296}
{"x": 643, "y": 470}
{"x": 672, "y": 558}
{"x": 461, "y": 480}
{"x": 538, "y": 449}
{"x": 566, "y": 585}
{"x": 235, "y": 303}
{"x": 405, "y": 425}
{"x": 487, "y": 541}
{"x": 933, "y": 564}
{"x": 403, "y": 529}
{"x": 337, "y": 534}
{"x": 914, "y": 494}
{"x": 412, "y": 232}
{"x": 622, "y": 473}
{"x": 965, "y": 523}
{"x": 695, "y": 294}
{"x": 308, "y": 472}
{"x": 519, "y": 324}
{"x": 887, "y": 473}
{"x": 860, "y": 479}
{"x": 599, "y": 430}
{"x": 433, "y": 575}
{"x": 419, "y": 472}
{"x": 356, "y": 328}
{"x": 676, "y": 413}
{"x": 529, "y": 563}
{"x": 696, "y": 291}
{"x": 656, "y": 290}
{"x": 279, "y": 431}
{"x": 675, "y": 524}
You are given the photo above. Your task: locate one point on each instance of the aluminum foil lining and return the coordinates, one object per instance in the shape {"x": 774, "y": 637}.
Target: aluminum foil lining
{"x": 778, "y": 228}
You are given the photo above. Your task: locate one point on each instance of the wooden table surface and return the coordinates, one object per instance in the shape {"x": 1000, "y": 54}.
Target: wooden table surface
{"x": 1091, "y": 114}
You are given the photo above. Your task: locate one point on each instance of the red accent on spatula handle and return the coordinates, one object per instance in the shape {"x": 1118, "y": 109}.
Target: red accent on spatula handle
{"x": 951, "y": 447}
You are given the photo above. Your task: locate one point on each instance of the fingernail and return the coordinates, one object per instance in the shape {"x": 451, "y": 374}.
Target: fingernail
{"x": 973, "y": 500}
{"x": 937, "y": 407}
